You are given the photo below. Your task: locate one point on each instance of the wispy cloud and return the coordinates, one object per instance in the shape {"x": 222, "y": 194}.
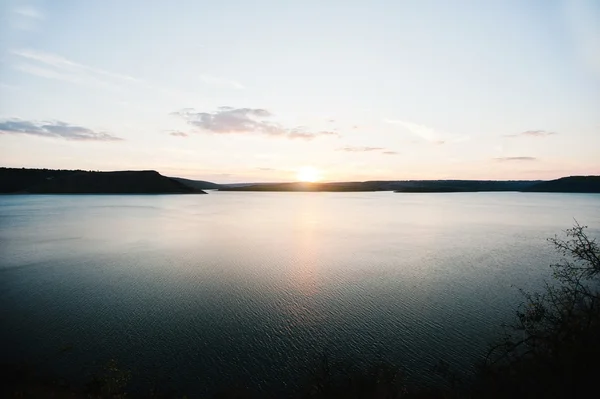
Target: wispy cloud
{"x": 63, "y": 63}
{"x": 510, "y": 159}
{"x": 44, "y": 72}
{"x": 422, "y": 131}
{"x": 28, "y": 11}
{"x": 53, "y": 66}
{"x": 361, "y": 149}
{"x": 429, "y": 134}
{"x": 532, "y": 133}
{"x": 54, "y": 129}
{"x": 221, "y": 82}
{"x": 368, "y": 149}
{"x": 227, "y": 120}
{"x": 26, "y": 17}
{"x": 8, "y": 86}
{"x": 177, "y": 133}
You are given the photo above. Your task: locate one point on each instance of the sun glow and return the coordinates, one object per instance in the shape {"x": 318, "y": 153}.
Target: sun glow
{"x": 308, "y": 174}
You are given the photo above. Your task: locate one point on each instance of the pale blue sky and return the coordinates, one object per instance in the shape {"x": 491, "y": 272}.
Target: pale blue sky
{"x": 254, "y": 90}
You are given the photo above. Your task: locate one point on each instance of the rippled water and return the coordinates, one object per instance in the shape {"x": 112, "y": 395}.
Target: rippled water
{"x": 252, "y": 287}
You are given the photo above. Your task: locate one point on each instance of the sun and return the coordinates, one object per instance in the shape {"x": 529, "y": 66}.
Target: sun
{"x": 308, "y": 174}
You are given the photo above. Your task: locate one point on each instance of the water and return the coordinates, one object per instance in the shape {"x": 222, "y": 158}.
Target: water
{"x": 251, "y": 288}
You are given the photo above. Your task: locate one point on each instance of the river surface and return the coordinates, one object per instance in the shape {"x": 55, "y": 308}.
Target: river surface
{"x": 206, "y": 291}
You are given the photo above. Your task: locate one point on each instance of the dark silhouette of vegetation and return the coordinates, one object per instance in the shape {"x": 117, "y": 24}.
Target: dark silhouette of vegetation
{"x": 14, "y": 180}
{"x": 198, "y": 184}
{"x": 571, "y": 184}
{"x": 416, "y": 186}
{"x": 25, "y": 381}
{"x": 552, "y": 350}
{"x": 45, "y": 181}
{"x": 48, "y": 181}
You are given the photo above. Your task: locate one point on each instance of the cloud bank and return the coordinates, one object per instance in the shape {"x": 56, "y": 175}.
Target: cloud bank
{"x": 228, "y": 120}
{"x": 54, "y": 129}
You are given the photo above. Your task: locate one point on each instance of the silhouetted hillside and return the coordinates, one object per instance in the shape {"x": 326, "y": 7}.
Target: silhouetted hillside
{"x": 425, "y": 186}
{"x": 19, "y": 179}
{"x": 302, "y": 186}
{"x": 43, "y": 181}
{"x": 47, "y": 181}
{"x": 198, "y": 184}
{"x": 572, "y": 184}
{"x": 445, "y": 186}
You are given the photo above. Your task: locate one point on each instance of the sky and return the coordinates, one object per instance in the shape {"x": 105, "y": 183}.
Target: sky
{"x": 255, "y": 91}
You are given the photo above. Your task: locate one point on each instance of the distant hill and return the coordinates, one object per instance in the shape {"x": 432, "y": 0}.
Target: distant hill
{"x": 198, "y": 184}
{"x": 425, "y": 186}
{"x": 300, "y": 186}
{"x": 572, "y": 184}
{"x": 46, "y": 181}
{"x": 447, "y": 186}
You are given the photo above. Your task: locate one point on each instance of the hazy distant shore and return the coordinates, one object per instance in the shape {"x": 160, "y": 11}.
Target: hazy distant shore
{"x": 573, "y": 184}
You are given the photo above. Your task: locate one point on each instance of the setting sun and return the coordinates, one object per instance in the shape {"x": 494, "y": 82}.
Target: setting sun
{"x": 308, "y": 174}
